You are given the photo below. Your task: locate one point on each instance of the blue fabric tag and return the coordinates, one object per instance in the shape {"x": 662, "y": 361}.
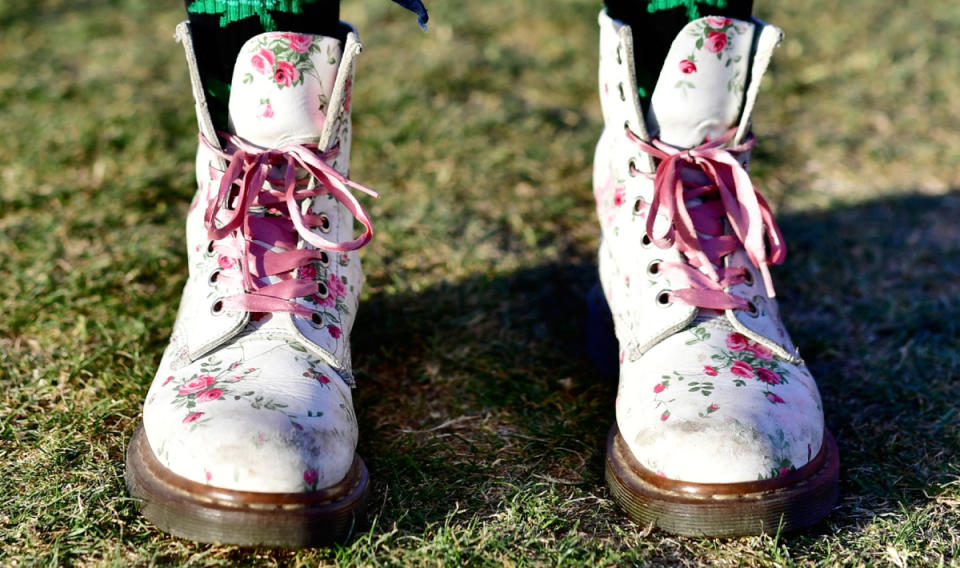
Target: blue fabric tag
{"x": 417, "y": 7}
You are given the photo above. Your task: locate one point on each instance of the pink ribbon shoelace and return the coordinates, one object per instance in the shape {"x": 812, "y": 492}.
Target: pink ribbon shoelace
{"x": 695, "y": 191}
{"x": 266, "y": 223}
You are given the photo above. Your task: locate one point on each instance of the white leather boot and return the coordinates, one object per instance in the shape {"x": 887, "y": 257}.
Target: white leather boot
{"x": 719, "y": 424}
{"x": 249, "y": 435}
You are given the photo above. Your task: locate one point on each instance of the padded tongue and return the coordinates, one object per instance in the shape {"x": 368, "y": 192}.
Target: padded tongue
{"x": 700, "y": 92}
{"x": 281, "y": 87}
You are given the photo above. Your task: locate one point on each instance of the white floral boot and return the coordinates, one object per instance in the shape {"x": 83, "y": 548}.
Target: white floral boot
{"x": 719, "y": 424}
{"x": 249, "y": 435}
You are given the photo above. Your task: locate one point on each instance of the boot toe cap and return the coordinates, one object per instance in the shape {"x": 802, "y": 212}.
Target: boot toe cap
{"x": 706, "y": 412}
{"x": 279, "y": 422}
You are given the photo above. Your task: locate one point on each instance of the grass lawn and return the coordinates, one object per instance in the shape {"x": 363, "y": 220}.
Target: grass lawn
{"x": 482, "y": 420}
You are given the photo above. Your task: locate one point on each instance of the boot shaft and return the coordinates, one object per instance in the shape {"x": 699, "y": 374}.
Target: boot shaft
{"x": 288, "y": 89}
{"x": 708, "y": 86}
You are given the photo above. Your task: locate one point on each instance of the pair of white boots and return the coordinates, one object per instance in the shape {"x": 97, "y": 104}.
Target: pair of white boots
{"x": 249, "y": 435}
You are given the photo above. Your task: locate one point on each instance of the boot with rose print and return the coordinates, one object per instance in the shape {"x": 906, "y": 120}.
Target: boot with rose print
{"x": 249, "y": 435}
{"x": 719, "y": 425}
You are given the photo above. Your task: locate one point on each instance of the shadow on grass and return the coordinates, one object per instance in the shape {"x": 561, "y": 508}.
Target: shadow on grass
{"x": 470, "y": 392}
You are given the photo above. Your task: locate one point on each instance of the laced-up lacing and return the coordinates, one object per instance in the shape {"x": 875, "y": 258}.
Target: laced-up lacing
{"x": 267, "y": 222}
{"x": 696, "y": 191}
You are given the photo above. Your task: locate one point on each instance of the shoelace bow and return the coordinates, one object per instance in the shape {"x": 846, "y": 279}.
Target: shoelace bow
{"x": 269, "y": 221}
{"x": 695, "y": 191}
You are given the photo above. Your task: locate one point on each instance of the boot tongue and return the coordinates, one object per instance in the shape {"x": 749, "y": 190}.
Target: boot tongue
{"x": 700, "y": 92}
{"x": 281, "y": 87}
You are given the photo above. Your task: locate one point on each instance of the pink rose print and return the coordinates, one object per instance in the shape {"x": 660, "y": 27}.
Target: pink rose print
{"x": 623, "y": 355}
{"x": 193, "y": 417}
{"x": 310, "y": 477}
{"x": 664, "y": 416}
{"x": 208, "y": 395}
{"x": 713, "y": 408}
{"x": 687, "y": 67}
{"x": 323, "y": 379}
{"x": 741, "y": 369}
{"x": 308, "y": 272}
{"x": 618, "y": 195}
{"x": 774, "y": 398}
{"x": 299, "y": 43}
{"x": 768, "y": 376}
{"x": 761, "y": 351}
{"x": 737, "y": 342}
{"x": 196, "y": 385}
{"x": 265, "y": 111}
{"x": 784, "y": 470}
{"x": 659, "y": 388}
{"x": 716, "y": 41}
{"x": 208, "y": 475}
{"x": 336, "y": 287}
{"x": 263, "y": 61}
{"x": 334, "y": 331}
{"x": 600, "y": 196}
{"x": 225, "y": 262}
{"x": 707, "y": 369}
{"x": 286, "y": 73}
{"x": 717, "y": 21}
{"x": 170, "y": 378}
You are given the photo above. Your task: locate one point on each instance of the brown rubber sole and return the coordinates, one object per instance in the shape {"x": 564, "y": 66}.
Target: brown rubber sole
{"x": 783, "y": 504}
{"x": 204, "y": 513}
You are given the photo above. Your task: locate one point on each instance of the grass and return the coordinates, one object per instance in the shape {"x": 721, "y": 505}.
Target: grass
{"x": 481, "y": 418}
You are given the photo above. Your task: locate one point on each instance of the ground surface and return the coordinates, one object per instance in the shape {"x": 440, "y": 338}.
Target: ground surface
{"x": 482, "y": 420}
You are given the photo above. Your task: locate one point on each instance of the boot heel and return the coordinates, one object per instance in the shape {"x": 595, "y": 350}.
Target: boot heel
{"x": 601, "y": 339}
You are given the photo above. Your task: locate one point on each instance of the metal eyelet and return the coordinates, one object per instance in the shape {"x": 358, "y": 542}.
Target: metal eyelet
{"x": 653, "y": 269}
{"x": 322, "y": 290}
{"x": 324, "y": 223}
{"x": 645, "y": 241}
{"x": 210, "y": 247}
{"x": 623, "y": 95}
{"x": 324, "y": 259}
{"x": 748, "y": 279}
{"x": 752, "y": 309}
{"x": 316, "y": 320}
{"x": 217, "y": 307}
{"x": 663, "y": 299}
{"x": 619, "y": 56}
{"x": 632, "y": 167}
{"x": 214, "y": 276}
